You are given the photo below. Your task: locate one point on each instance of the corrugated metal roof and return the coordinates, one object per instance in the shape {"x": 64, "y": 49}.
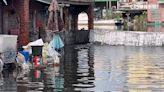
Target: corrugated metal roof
{"x": 45, "y": 1}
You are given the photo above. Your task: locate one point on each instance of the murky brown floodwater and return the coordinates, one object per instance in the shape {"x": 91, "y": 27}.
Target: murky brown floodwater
{"x": 94, "y": 68}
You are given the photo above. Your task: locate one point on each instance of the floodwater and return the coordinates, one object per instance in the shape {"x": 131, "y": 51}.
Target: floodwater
{"x": 94, "y": 68}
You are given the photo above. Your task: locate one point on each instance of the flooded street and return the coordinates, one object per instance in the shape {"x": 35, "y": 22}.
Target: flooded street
{"x": 98, "y": 68}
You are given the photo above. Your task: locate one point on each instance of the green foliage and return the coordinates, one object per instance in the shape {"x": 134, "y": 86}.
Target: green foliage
{"x": 112, "y": 15}
{"x": 140, "y": 21}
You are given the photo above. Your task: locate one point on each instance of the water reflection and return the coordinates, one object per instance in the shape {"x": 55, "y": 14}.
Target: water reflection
{"x": 8, "y": 81}
{"x": 34, "y": 80}
{"x": 99, "y": 68}
{"x": 118, "y": 69}
{"x": 85, "y": 72}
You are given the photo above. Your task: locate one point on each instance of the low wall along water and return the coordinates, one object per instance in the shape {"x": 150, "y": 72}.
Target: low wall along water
{"x": 127, "y": 38}
{"x": 75, "y": 37}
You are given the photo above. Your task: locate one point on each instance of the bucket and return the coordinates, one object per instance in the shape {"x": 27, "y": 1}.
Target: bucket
{"x": 36, "y": 50}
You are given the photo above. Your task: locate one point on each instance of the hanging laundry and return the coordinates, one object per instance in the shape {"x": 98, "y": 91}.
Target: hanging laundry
{"x": 53, "y": 18}
{"x": 57, "y": 43}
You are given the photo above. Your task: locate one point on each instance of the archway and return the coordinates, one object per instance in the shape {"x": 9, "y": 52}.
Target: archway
{"x": 82, "y": 21}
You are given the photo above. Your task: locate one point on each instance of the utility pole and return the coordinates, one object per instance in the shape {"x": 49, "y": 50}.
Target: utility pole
{"x": 110, "y": 4}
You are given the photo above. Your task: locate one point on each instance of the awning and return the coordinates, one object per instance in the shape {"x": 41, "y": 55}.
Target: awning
{"x": 104, "y": 0}
{"x": 5, "y": 2}
{"x": 45, "y": 1}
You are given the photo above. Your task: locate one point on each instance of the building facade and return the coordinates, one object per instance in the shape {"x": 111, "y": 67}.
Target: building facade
{"x": 156, "y": 14}
{"x": 26, "y": 18}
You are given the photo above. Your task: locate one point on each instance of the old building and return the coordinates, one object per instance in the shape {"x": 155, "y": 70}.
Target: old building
{"x": 103, "y": 7}
{"x": 27, "y": 17}
{"x": 71, "y": 10}
{"x": 155, "y": 11}
{"x": 15, "y": 19}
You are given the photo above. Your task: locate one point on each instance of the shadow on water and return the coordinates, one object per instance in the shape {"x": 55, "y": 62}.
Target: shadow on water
{"x": 79, "y": 73}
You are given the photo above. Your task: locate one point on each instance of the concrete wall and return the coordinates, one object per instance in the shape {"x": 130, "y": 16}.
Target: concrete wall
{"x": 128, "y": 38}
{"x": 72, "y": 37}
{"x": 81, "y": 36}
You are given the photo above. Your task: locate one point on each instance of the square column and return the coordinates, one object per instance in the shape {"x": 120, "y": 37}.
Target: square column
{"x": 90, "y": 13}
{"x": 23, "y": 11}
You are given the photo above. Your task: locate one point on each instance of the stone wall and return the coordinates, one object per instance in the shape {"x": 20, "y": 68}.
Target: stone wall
{"x": 128, "y": 38}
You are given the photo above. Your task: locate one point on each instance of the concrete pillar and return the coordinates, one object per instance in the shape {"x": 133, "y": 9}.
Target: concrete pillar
{"x": 75, "y": 19}
{"x": 128, "y": 20}
{"x": 107, "y": 5}
{"x": 23, "y": 10}
{"x": 90, "y": 13}
{"x": 118, "y": 5}
{"x": 110, "y": 5}
{"x": 73, "y": 13}
{"x": 1, "y": 26}
{"x": 66, "y": 18}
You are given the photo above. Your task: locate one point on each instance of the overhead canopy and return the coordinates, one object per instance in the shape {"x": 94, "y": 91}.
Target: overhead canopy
{"x": 104, "y": 0}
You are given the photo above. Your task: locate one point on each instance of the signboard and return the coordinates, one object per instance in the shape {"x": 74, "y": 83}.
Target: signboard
{"x": 144, "y": 6}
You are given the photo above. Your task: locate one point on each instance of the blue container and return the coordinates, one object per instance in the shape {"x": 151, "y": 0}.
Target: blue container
{"x": 26, "y": 55}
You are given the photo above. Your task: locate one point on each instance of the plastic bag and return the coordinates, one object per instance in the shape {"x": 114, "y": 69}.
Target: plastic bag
{"x": 49, "y": 54}
{"x": 57, "y": 42}
{"x": 52, "y": 52}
